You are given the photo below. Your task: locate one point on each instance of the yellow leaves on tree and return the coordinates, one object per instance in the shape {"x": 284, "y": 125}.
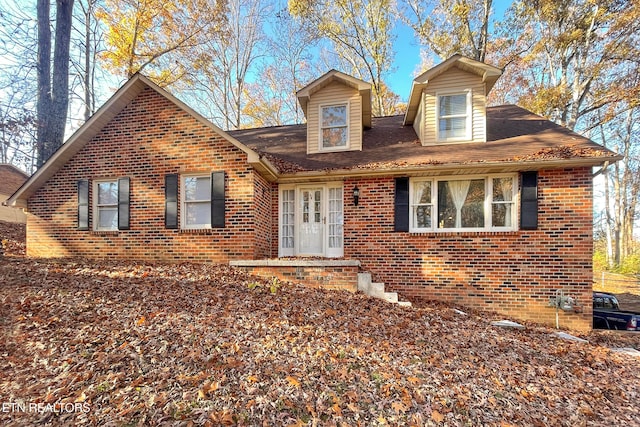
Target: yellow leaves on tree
{"x": 155, "y": 34}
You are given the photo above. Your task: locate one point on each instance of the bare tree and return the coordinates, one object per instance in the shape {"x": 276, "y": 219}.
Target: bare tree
{"x": 17, "y": 89}
{"x": 361, "y": 35}
{"x": 87, "y": 39}
{"x": 622, "y": 181}
{"x": 271, "y": 100}
{"x": 219, "y": 81}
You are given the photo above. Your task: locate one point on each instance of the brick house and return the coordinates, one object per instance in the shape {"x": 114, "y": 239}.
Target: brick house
{"x": 486, "y": 207}
{"x": 11, "y": 178}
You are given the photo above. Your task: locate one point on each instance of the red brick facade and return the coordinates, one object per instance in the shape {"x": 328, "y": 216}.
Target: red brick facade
{"x": 150, "y": 138}
{"x": 513, "y": 273}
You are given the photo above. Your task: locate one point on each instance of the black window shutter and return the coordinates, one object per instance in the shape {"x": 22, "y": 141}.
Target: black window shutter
{"x": 83, "y": 204}
{"x": 529, "y": 201}
{"x": 123, "y": 203}
{"x": 217, "y": 200}
{"x": 171, "y": 200}
{"x": 401, "y": 204}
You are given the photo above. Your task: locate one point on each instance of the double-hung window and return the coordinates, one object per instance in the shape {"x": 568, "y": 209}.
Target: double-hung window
{"x": 472, "y": 204}
{"x": 454, "y": 116}
{"x": 196, "y": 202}
{"x": 106, "y": 205}
{"x": 109, "y": 203}
{"x": 334, "y": 127}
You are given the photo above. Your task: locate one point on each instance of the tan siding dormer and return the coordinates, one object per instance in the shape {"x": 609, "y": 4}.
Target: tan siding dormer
{"x": 337, "y": 108}
{"x": 335, "y": 94}
{"x": 448, "y": 103}
{"x": 455, "y": 81}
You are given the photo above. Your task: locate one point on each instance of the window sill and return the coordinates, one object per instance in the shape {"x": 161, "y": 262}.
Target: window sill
{"x": 334, "y": 149}
{"x": 196, "y": 231}
{"x": 105, "y": 232}
{"x": 451, "y": 233}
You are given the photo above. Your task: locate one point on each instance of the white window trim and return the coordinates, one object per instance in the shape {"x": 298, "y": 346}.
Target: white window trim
{"x": 183, "y": 202}
{"x": 321, "y": 146}
{"x": 96, "y": 206}
{"x": 469, "y": 116}
{"x": 488, "y": 202}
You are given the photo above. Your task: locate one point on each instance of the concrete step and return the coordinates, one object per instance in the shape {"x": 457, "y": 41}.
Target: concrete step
{"x": 391, "y": 297}
{"x": 377, "y": 290}
{"x": 364, "y": 281}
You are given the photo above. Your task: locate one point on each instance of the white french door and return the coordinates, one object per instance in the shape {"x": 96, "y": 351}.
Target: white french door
{"x": 311, "y": 220}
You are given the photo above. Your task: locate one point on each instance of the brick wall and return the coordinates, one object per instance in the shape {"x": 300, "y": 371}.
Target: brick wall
{"x": 263, "y": 217}
{"x": 512, "y": 273}
{"x": 338, "y": 277}
{"x": 151, "y": 137}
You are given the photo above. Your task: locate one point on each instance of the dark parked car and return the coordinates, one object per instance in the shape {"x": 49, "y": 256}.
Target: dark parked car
{"x": 607, "y": 314}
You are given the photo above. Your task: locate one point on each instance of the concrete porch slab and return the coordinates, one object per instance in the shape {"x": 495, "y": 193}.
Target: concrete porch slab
{"x": 295, "y": 262}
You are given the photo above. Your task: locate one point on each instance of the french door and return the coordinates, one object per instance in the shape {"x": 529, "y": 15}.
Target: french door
{"x": 311, "y": 220}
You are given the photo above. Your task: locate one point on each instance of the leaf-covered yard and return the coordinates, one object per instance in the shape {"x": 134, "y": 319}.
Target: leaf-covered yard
{"x": 148, "y": 344}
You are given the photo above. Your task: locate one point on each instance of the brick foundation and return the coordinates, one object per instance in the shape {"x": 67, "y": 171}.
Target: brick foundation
{"x": 327, "y": 274}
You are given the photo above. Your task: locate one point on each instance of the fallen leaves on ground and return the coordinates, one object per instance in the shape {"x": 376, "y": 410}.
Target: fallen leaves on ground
{"x": 186, "y": 344}
{"x": 12, "y": 238}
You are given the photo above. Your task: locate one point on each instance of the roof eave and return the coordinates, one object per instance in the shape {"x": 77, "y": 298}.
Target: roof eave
{"x": 414, "y": 102}
{"x": 263, "y": 166}
{"x": 449, "y": 168}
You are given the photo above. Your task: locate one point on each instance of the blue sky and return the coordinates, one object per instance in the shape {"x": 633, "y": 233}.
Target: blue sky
{"x": 406, "y": 61}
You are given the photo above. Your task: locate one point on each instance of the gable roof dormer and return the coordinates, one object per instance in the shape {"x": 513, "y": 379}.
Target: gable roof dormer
{"x": 448, "y": 102}
{"x": 337, "y": 108}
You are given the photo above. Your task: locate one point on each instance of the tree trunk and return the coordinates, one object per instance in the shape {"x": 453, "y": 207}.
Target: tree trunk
{"x": 60, "y": 88}
{"x": 88, "y": 86}
{"x": 53, "y": 94}
{"x": 43, "y": 70}
{"x": 608, "y": 221}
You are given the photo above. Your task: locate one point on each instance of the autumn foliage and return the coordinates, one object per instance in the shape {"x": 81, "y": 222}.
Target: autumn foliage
{"x": 184, "y": 344}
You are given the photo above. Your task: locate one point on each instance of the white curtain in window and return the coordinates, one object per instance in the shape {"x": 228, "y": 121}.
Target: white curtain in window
{"x": 459, "y": 190}
{"x": 507, "y": 194}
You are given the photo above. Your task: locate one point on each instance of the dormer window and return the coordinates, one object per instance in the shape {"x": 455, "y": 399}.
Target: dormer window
{"x": 334, "y": 127}
{"x": 454, "y": 116}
